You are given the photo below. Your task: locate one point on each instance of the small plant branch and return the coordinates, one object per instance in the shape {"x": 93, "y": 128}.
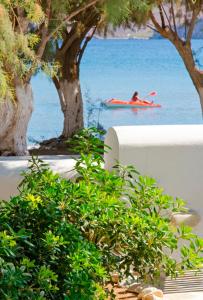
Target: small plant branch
{"x": 152, "y": 28}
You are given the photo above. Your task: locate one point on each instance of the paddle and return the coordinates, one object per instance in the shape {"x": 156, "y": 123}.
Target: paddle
{"x": 151, "y": 94}
{"x": 154, "y": 93}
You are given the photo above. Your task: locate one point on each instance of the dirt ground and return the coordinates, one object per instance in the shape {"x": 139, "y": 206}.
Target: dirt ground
{"x": 122, "y": 294}
{"x": 55, "y": 146}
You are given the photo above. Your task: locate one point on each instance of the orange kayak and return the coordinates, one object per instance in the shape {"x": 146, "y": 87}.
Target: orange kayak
{"x": 121, "y": 103}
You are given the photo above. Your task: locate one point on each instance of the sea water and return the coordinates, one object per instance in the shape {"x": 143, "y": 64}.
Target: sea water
{"x": 115, "y": 69}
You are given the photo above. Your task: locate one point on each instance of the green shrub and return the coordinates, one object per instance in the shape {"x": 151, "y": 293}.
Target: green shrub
{"x": 61, "y": 239}
{"x": 42, "y": 254}
{"x": 128, "y": 217}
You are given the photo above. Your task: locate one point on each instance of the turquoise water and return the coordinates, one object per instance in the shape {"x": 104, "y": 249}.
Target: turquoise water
{"x": 116, "y": 68}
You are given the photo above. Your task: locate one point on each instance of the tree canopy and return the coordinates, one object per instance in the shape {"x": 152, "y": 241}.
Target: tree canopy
{"x": 25, "y": 29}
{"x": 16, "y": 47}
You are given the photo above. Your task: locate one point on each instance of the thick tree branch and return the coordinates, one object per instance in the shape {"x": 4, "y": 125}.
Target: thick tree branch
{"x": 67, "y": 42}
{"x": 79, "y": 30}
{"x": 22, "y": 22}
{"x": 44, "y": 31}
{"x": 162, "y": 17}
{"x": 165, "y": 13}
{"x": 16, "y": 18}
{"x": 72, "y": 15}
{"x": 173, "y": 16}
{"x": 47, "y": 36}
{"x": 192, "y": 24}
{"x": 158, "y": 27}
{"x": 88, "y": 38}
{"x": 43, "y": 42}
{"x": 185, "y": 25}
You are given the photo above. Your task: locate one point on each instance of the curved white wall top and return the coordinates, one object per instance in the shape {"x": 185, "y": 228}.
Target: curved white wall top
{"x": 172, "y": 154}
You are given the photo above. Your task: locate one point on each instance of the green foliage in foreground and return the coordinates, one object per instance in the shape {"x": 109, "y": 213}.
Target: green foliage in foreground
{"x": 61, "y": 239}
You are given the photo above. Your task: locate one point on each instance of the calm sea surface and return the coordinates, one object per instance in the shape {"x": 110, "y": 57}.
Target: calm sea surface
{"x": 116, "y": 68}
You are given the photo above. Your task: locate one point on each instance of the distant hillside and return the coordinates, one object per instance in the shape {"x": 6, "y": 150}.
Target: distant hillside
{"x": 126, "y": 33}
{"x": 146, "y": 33}
{"x": 197, "y": 34}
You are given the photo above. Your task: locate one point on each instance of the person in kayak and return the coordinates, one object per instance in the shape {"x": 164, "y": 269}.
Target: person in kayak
{"x": 135, "y": 98}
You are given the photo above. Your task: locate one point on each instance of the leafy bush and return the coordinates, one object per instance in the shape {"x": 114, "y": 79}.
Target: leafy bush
{"x": 43, "y": 255}
{"x": 61, "y": 239}
{"x": 88, "y": 141}
{"x": 128, "y": 216}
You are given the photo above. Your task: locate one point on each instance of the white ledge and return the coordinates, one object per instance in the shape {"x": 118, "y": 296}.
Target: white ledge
{"x": 11, "y": 168}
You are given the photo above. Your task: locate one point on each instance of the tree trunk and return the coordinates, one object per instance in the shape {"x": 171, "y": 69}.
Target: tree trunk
{"x": 68, "y": 84}
{"x": 14, "y": 117}
{"x": 200, "y": 92}
{"x": 183, "y": 47}
{"x": 71, "y": 105}
{"x": 196, "y": 75}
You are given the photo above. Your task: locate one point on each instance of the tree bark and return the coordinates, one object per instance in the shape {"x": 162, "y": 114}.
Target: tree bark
{"x": 15, "y": 116}
{"x": 184, "y": 49}
{"x": 67, "y": 83}
{"x": 196, "y": 75}
{"x": 70, "y": 96}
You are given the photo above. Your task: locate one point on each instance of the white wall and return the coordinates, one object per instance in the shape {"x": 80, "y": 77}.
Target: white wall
{"x": 172, "y": 154}
{"x": 11, "y": 168}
